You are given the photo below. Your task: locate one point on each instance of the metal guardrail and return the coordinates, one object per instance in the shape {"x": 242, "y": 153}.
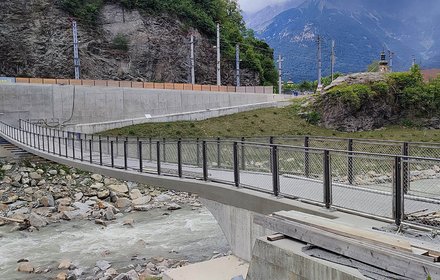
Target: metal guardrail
{"x": 398, "y": 187}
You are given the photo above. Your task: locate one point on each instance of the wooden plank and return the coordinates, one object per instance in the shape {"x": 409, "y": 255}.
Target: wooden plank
{"x": 275, "y": 237}
{"x": 400, "y": 263}
{"x": 344, "y": 230}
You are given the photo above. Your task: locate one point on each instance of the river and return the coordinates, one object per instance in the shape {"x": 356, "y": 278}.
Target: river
{"x": 188, "y": 234}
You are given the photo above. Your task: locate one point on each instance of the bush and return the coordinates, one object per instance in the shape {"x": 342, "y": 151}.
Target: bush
{"x": 86, "y": 11}
{"x": 120, "y": 42}
{"x": 351, "y": 94}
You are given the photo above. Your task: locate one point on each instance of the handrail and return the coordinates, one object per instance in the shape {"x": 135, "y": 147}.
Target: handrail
{"x": 168, "y": 162}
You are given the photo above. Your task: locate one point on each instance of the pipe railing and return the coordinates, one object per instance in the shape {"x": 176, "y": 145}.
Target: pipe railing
{"x": 217, "y": 160}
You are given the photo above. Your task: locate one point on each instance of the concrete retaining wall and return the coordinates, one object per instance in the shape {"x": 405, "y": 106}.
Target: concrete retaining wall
{"x": 83, "y": 104}
{"x": 284, "y": 260}
{"x": 187, "y": 116}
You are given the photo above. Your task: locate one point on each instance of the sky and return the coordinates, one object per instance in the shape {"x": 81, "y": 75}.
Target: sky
{"x": 256, "y": 5}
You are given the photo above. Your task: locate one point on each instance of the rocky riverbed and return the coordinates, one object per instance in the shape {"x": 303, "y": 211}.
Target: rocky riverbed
{"x": 59, "y": 222}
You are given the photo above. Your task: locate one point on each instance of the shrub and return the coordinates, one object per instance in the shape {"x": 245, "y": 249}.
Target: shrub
{"x": 351, "y": 94}
{"x": 120, "y": 42}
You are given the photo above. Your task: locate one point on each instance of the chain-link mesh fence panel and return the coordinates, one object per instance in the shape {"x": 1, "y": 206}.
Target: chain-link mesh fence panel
{"x": 389, "y": 148}
{"x": 219, "y": 162}
{"x": 192, "y": 159}
{"x": 255, "y": 167}
{"x": 301, "y": 173}
{"x": 424, "y": 150}
{"x": 421, "y": 187}
{"x": 328, "y": 143}
{"x": 365, "y": 187}
{"x": 290, "y": 141}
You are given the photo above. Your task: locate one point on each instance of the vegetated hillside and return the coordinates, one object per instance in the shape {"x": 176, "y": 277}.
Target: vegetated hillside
{"x": 361, "y": 30}
{"x": 146, "y": 40}
{"x": 268, "y": 122}
{"x": 372, "y": 100}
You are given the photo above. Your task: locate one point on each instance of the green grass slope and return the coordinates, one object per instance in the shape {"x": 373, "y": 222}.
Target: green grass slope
{"x": 267, "y": 122}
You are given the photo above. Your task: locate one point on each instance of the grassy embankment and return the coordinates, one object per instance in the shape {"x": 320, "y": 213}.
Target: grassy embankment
{"x": 267, "y": 122}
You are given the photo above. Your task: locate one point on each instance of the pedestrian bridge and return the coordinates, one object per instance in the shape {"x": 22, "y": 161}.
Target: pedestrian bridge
{"x": 237, "y": 178}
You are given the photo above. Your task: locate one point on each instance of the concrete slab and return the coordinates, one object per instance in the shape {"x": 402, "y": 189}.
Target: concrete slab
{"x": 224, "y": 268}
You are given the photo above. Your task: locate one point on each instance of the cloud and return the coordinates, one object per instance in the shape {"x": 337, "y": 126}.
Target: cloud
{"x": 256, "y": 5}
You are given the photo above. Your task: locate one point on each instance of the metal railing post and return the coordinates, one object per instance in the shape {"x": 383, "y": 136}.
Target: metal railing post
{"x": 179, "y": 158}
{"x": 327, "y": 180}
{"x": 398, "y": 194}
{"x": 350, "y": 174}
{"x": 151, "y": 147}
{"x": 204, "y": 161}
{"x": 270, "y": 153}
{"x": 90, "y": 150}
{"x": 218, "y": 152}
{"x": 53, "y": 144}
{"x": 306, "y": 157}
{"x": 112, "y": 156}
{"x": 405, "y": 168}
{"x": 59, "y": 146}
{"x": 158, "y": 157}
{"x": 73, "y": 147}
{"x": 164, "y": 150}
{"x": 236, "y": 166}
{"x": 243, "y": 159}
{"x": 81, "y": 149}
{"x": 66, "y": 142}
{"x": 42, "y": 140}
{"x": 141, "y": 167}
{"x": 125, "y": 155}
{"x": 275, "y": 171}
{"x": 198, "y": 151}
{"x": 100, "y": 150}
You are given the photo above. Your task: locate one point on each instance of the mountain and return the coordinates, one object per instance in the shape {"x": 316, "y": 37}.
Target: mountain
{"x": 361, "y": 30}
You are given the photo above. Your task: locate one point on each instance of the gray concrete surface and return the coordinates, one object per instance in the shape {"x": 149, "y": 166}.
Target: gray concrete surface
{"x": 284, "y": 260}
{"x": 83, "y": 104}
{"x": 91, "y": 128}
{"x": 225, "y": 268}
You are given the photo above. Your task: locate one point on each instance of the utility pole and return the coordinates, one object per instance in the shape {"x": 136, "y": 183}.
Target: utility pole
{"x": 333, "y": 60}
{"x": 192, "y": 62}
{"x": 390, "y": 53}
{"x": 280, "y": 61}
{"x": 219, "y": 81}
{"x": 237, "y": 63}
{"x": 75, "y": 50}
{"x": 319, "y": 64}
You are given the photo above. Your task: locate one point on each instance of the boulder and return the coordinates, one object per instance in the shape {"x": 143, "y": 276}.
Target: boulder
{"x": 163, "y": 198}
{"x": 96, "y": 177}
{"x": 37, "y": 221}
{"x": 135, "y": 194}
{"x": 6, "y": 167}
{"x": 123, "y": 203}
{"x": 142, "y": 200}
{"x": 61, "y": 276}
{"x": 35, "y": 176}
{"x": 121, "y": 188}
{"x": 52, "y": 172}
{"x": 65, "y": 264}
{"x": 103, "y": 194}
{"x": 96, "y": 186}
{"x": 173, "y": 206}
{"x": 103, "y": 265}
{"x": 47, "y": 201}
{"x": 26, "y": 267}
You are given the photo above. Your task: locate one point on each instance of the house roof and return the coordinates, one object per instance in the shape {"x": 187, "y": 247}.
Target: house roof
{"x": 429, "y": 74}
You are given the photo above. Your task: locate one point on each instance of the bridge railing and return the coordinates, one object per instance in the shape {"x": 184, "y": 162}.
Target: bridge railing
{"x": 398, "y": 187}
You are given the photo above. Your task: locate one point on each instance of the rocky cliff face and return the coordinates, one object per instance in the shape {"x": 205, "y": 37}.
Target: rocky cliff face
{"x": 36, "y": 40}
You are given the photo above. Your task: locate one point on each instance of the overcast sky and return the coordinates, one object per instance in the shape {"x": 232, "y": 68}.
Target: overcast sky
{"x": 256, "y": 5}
